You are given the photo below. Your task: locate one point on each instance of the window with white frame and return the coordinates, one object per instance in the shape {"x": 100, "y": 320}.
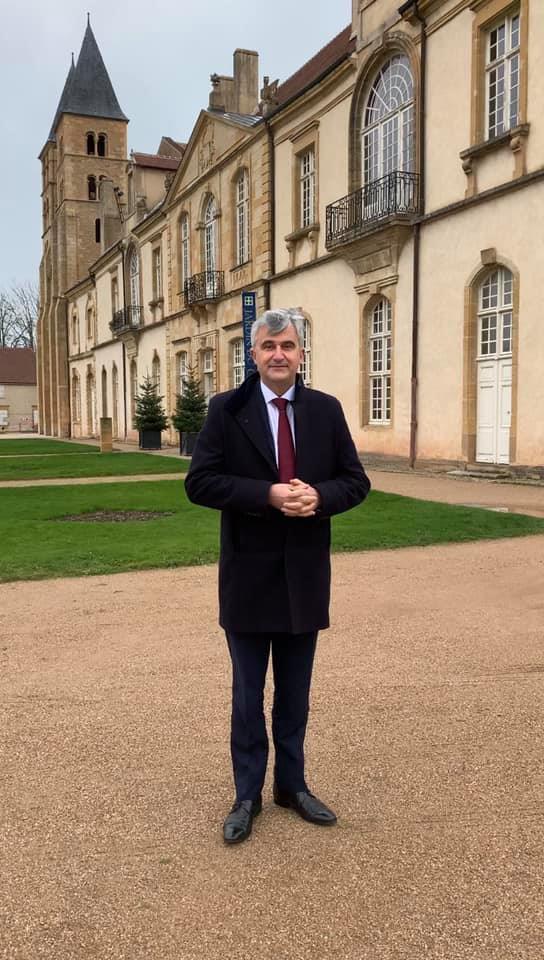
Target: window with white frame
{"x": 157, "y": 273}
{"x": 207, "y": 373}
{"x": 185, "y": 250}
{"x": 209, "y": 235}
{"x": 388, "y": 128}
{"x": 183, "y": 371}
{"x": 134, "y": 276}
{"x": 307, "y": 187}
{"x": 495, "y": 314}
{"x": 379, "y": 354}
{"x": 306, "y": 365}
{"x": 502, "y": 76}
{"x": 242, "y": 218}
{"x": 237, "y": 362}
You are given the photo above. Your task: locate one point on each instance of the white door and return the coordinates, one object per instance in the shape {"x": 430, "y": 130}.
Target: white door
{"x": 494, "y": 379}
{"x": 494, "y": 411}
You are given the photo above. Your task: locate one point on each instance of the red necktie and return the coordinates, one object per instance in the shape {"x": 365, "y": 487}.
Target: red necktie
{"x": 286, "y": 447}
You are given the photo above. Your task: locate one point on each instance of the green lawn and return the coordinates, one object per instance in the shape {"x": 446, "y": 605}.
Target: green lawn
{"x": 88, "y": 465}
{"x": 11, "y": 448}
{"x": 35, "y": 544}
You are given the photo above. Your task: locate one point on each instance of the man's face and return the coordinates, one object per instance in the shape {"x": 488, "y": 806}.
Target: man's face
{"x": 277, "y": 357}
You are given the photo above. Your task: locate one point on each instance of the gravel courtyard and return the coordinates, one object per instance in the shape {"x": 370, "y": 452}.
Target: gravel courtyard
{"x": 425, "y": 735}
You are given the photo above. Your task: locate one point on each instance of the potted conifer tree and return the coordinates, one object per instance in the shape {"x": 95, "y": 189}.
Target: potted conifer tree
{"x": 190, "y": 412}
{"x": 150, "y": 418}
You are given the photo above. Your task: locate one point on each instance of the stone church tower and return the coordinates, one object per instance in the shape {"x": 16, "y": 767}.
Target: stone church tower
{"x": 86, "y": 145}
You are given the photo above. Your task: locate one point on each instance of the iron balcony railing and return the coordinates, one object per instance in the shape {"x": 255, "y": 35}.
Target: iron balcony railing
{"x": 126, "y": 318}
{"x": 208, "y": 285}
{"x": 396, "y": 194}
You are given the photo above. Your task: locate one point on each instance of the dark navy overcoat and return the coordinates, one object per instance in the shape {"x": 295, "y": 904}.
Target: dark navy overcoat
{"x": 274, "y": 571}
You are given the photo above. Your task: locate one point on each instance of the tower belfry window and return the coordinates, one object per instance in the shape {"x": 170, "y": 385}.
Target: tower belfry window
{"x": 101, "y": 145}
{"x": 91, "y": 188}
{"x": 90, "y": 144}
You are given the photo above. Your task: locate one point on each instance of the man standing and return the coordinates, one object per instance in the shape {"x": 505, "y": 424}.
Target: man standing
{"x": 278, "y": 460}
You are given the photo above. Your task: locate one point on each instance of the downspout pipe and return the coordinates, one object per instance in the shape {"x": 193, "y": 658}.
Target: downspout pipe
{"x": 121, "y": 248}
{"x": 272, "y": 225}
{"x": 411, "y": 7}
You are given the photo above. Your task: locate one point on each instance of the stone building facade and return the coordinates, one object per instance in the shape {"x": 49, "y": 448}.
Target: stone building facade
{"x": 392, "y": 188}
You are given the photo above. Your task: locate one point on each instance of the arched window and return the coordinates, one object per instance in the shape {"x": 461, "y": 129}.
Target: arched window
{"x": 133, "y": 389}
{"x": 306, "y": 365}
{"x": 134, "y": 278}
{"x": 75, "y": 331}
{"x": 76, "y": 397}
{"x": 237, "y": 362}
{"x": 104, "y": 392}
{"x": 156, "y": 372}
{"x": 379, "y": 362}
{"x": 101, "y": 144}
{"x": 210, "y": 212}
{"x": 90, "y": 322}
{"x": 115, "y": 401}
{"x": 388, "y": 128}
{"x": 90, "y": 144}
{"x": 183, "y": 370}
{"x": 91, "y": 398}
{"x": 185, "y": 248}
{"x": 495, "y": 314}
{"x": 91, "y": 188}
{"x": 242, "y": 217}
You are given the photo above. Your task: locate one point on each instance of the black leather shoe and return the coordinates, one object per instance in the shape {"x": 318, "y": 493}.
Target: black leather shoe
{"x": 306, "y": 805}
{"x": 238, "y": 824}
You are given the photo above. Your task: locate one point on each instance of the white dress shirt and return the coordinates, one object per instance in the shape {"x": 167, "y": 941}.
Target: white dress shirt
{"x": 274, "y": 413}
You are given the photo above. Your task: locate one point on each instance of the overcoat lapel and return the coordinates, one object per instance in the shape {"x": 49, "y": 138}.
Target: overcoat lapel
{"x": 303, "y": 433}
{"x": 253, "y": 420}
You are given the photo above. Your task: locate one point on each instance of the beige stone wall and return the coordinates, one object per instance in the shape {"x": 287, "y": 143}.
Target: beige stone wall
{"x": 18, "y": 401}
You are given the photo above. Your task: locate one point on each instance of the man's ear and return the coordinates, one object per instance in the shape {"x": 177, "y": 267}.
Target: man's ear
{"x": 252, "y": 353}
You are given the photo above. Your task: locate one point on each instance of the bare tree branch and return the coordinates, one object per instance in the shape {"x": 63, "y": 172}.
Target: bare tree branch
{"x": 18, "y": 315}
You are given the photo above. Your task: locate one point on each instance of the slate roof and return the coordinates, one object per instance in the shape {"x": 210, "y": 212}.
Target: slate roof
{"x": 332, "y": 53}
{"x": 155, "y": 160}
{"x": 17, "y": 365}
{"x": 88, "y": 90}
{"x": 246, "y": 119}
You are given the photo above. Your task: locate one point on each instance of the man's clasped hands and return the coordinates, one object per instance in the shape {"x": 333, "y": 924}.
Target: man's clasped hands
{"x": 294, "y": 499}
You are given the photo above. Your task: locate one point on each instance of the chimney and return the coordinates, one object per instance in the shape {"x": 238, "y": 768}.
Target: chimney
{"x": 246, "y": 81}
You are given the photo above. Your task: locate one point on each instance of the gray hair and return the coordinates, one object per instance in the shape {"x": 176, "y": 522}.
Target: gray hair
{"x": 278, "y": 320}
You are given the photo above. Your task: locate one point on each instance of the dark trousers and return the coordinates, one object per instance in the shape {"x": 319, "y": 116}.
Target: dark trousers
{"x": 292, "y": 662}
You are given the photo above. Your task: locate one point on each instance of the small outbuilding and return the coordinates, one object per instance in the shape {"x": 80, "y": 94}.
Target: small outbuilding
{"x": 18, "y": 390}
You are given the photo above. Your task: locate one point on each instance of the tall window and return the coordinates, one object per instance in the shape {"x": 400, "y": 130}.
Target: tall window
{"x": 388, "y": 134}
{"x": 134, "y": 275}
{"x": 237, "y": 362}
{"x": 76, "y": 397}
{"x": 207, "y": 373}
{"x": 104, "y": 392}
{"x": 242, "y": 218}
{"x": 90, "y": 144}
{"x": 185, "y": 249}
{"x": 495, "y": 314}
{"x": 502, "y": 76}
{"x": 114, "y": 295}
{"x": 91, "y": 188}
{"x": 97, "y": 230}
{"x": 75, "y": 331}
{"x": 183, "y": 370}
{"x": 90, "y": 323}
{"x": 101, "y": 144}
{"x": 115, "y": 401}
{"x": 157, "y": 273}
{"x": 133, "y": 389}
{"x": 307, "y": 187}
{"x": 210, "y": 246}
{"x": 306, "y": 365}
{"x": 380, "y": 363}
{"x": 156, "y": 373}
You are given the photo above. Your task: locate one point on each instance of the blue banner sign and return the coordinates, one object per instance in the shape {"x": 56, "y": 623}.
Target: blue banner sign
{"x": 249, "y": 314}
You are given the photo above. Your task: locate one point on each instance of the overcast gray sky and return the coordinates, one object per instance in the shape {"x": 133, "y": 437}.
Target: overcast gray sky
{"x": 159, "y": 55}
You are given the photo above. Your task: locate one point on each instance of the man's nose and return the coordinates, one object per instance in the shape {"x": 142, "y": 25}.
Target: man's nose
{"x": 278, "y": 352}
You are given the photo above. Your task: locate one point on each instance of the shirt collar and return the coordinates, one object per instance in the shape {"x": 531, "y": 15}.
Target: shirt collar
{"x": 269, "y": 394}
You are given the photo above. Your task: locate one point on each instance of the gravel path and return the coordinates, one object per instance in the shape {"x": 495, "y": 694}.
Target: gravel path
{"x": 425, "y": 735}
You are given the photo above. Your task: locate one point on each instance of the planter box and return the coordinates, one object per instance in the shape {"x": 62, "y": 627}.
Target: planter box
{"x": 187, "y": 443}
{"x": 150, "y": 440}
